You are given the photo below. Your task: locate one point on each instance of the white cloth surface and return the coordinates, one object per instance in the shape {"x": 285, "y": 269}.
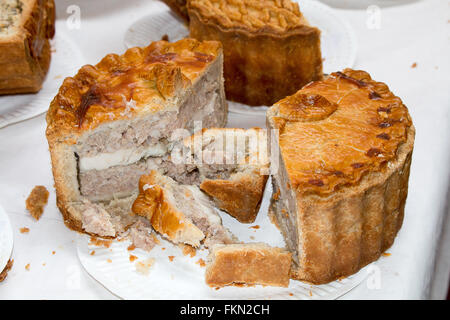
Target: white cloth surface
{"x": 417, "y": 32}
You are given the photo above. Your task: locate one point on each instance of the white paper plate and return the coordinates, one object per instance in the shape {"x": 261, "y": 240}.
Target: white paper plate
{"x": 6, "y": 239}
{"x": 66, "y": 59}
{"x": 183, "y": 278}
{"x": 338, "y": 38}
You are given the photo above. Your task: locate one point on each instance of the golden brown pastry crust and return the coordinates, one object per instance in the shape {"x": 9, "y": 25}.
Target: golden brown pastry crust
{"x": 343, "y": 127}
{"x": 180, "y": 8}
{"x": 148, "y": 76}
{"x": 270, "y": 50}
{"x": 343, "y": 223}
{"x": 241, "y": 198}
{"x": 25, "y": 53}
{"x": 250, "y": 264}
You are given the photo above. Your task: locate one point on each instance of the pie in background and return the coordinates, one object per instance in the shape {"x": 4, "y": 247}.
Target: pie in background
{"x": 179, "y": 7}
{"x": 26, "y": 27}
{"x": 270, "y": 49}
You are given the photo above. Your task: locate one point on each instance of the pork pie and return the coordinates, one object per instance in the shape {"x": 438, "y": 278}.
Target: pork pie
{"x": 270, "y": 50}
{"x": 341, "y": 163}
{"x": 115, "y": 121}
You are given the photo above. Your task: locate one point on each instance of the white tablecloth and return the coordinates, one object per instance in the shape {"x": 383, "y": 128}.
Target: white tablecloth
{"x": 417, "y": 32}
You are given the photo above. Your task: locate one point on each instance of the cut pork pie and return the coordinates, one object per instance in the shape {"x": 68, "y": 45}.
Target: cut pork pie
{"x": 341, "y": 163}
{"x": 115, "y": 121}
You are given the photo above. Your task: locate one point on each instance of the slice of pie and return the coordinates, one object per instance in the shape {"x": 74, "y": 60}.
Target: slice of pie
{"x": 181, "y": 213}
{"x": 228, "y": 164}
{"x": 248, "y": 264}
{"x": 117, "y": 120}
{"x": 270, "y": 50}
{"x": 341, "y": 152}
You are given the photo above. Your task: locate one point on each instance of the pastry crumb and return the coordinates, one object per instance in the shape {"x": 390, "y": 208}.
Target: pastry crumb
{"x": 171, "y": 258}
{"x": 24, "y": 230}
{"x": 109, "y": 260}
{"x": 386, "y": 254}
{"x": 5, "y": 271}
{"x": 252, "y": 238}
{"x": 155, "y": 239}
{"x": 189, "y": 250}
{"x": 131, "y": 247}
{"x": 53, "y": 252}
{"x": 36, "y": 201}
{"x": 100, "y": 242}
{"x": 143, "y": 267}
{"x": 165, "y": 37}
{"x": 255, "y": 227}
{"x": 201, "y": 262}
{"x": 291, "y": 294}
{"x": 133, "y": 258}
{"x": 92, "y": 252}
{"x": 27, "y": 267}
{"x": 414, "y": 65}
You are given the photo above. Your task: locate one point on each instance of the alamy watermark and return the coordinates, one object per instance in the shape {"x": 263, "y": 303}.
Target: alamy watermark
{"x": 73, "y": 21}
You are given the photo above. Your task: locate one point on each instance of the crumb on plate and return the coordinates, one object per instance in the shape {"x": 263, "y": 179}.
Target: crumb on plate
{"x": 201, "y": 262}
{"x": 24, "y": 230}
{"x": 189, "y": 250}
{"x": 143, "y": 267}
{"x": 100, "y": 242}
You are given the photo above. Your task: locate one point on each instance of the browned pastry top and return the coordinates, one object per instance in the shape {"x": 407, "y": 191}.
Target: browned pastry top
{"x": 334, "y": 131}
{"x": 142, "y": 80}
{"x": 254, "y": 15}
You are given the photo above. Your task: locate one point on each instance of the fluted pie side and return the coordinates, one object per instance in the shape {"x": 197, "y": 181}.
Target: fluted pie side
{"x": 339, "y": 235}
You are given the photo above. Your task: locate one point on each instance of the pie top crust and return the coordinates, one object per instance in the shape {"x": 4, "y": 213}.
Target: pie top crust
{"x": 271, "y": 16}
{"x": 334, "y": 131}
{"x": 141, "y": 81}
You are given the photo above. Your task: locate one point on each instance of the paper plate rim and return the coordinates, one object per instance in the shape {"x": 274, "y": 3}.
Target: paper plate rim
{"x": 6, "y": 238}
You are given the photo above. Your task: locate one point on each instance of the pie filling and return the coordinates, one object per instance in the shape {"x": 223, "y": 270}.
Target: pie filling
{"x": 111, "y": 160}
